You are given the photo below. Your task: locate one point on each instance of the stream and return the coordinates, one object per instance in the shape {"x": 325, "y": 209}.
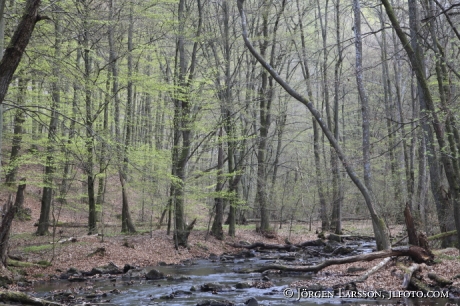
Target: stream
{"x": 186, "y": 280}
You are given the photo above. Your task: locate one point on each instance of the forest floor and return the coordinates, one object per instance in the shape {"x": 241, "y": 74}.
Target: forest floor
{"x": 151, "y": 247}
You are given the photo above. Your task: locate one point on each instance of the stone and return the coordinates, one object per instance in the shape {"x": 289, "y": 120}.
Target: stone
{"x": 182, "y": 292}
{"x": 154, "y": 274}
{"x": 127, "y": 267}
{"x": 133, "y": 273}
{"x": 252, "y": 302}
{"x": 215, "y": 287}
{"x": 243, "y": 285}
{"x": 73, "y": 271}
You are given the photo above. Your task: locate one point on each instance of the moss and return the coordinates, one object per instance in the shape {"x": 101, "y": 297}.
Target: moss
{"x": 44, "y": 263}
{"x": 23, "y": 264}
{"x": 19, "y": 264}
{"x": 38, "y": 248}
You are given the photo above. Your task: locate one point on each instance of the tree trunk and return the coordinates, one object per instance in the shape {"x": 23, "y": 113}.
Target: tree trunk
{"x": 265, "y": 100}
{"x": 2, "y": 47}
{"x": 182, "y": 123}
{"x": 18, "y": 132}
{"x": 216, "y": 229}
{"x": 5, "y": 230}
{"x": 362, "y": 95}
{"x": 89, "y": 120}
{"x": 47, "y": 194}
{"x": 450, "y": 165}
{"x": 18, "y": 43}
{"x": 127, "y": 225}
{"x": 337, "y": 186}
{"x": 389, "y": 105}
{"x": 325, "y": 225}
{"x": 381, "y": 235}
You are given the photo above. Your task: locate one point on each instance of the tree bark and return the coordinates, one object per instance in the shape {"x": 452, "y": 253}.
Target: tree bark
{"x": 182, "y": 122}
{"x": 47, "y": 194}
{"x": 362, "y": 95}
{"x": 217, "y": 230}
{"x": 127, "y": 225}
{"x": 5, "y": 228}
{"x": 19, "y": 119}
{"x": 18, "y": 43}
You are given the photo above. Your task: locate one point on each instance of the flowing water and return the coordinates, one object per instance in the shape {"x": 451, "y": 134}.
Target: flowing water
{"x": 141, "y": 292}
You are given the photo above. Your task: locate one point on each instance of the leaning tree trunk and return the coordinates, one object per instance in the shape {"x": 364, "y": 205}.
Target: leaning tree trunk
{"x": 13, "y": 53}
{"x": 380, "y": 233}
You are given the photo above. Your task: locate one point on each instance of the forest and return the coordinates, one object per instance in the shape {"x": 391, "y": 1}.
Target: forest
{"x": 173, "y": 114}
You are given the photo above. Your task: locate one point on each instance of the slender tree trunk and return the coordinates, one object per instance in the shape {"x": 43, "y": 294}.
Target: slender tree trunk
{"x": 127, "y": 225}
{"x": 325, "y": 225}
{"x": 18, "y": 132}
{"x": 336, "y": 179}
{"x": 47, "y": 193}
{"x": 103, "y": 160}
{"x": 2, "y": 47}
{"x": 389, "y": 104}
{"x": 265, "y": 98}
{"x": 89, "y": 142}
{"x": 362, "y": 95}
{"x": 182, "y": 122}
{"x": 216, "y": 229}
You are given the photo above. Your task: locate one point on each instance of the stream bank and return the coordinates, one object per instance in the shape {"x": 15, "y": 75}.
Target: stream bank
{"x": 217, "y": 281}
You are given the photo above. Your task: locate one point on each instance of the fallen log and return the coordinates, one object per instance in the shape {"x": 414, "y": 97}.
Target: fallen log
{"x": 371, "y": 271}
{"x": 408, "y": 272}
{"x": 24, "y": 299}
{"x": 441, "y": 281}
{"x": 441, "y": 235}
{"x": 419, "y": 285}
{"x": 418, "y": 254}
